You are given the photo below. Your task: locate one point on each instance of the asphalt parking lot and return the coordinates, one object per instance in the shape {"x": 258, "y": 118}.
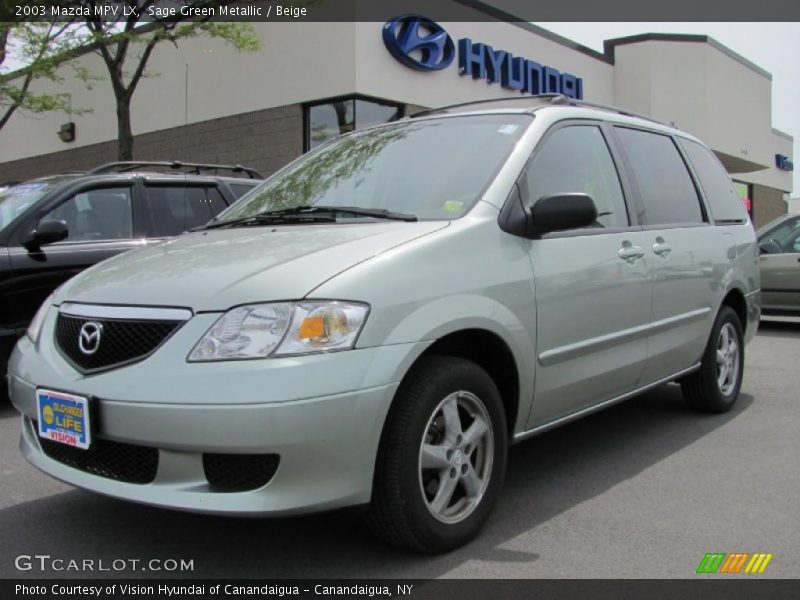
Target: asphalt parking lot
{"x": 644, "y": 489}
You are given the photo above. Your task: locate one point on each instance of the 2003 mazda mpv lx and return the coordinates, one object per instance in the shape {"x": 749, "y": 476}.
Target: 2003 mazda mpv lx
{"x": 379, "y": 320}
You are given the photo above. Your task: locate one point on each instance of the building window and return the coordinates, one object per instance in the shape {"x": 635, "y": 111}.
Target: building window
{"x": 326, "y": 120}
{"x": 745, "y": 191}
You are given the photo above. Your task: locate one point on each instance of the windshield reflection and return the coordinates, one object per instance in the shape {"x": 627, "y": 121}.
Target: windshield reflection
{"x": 434, "y": 169}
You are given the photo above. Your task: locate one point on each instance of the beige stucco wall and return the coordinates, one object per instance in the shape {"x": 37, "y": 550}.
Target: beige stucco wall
{"x": 664, "y": 80}
{"x": 708, "y": 93}
{"x": 772, "y": 176}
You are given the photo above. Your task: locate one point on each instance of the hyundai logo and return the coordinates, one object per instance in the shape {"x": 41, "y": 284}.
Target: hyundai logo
{"x": 89, "y": 337}
{"x": 418, "y": 43}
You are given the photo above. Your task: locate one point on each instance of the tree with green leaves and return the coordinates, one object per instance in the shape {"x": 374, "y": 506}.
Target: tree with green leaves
{"x": 39, "y": 49}
{"x": 126, "y": 42}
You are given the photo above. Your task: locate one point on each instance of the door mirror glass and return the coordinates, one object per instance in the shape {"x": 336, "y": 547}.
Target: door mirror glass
{"x": 47, "y": 232}
{"x": 769, "y": 247}
{"x": 557, "y": 212}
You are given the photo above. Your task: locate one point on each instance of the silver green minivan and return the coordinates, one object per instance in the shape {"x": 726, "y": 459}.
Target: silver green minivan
{"x": 379, "y": 320}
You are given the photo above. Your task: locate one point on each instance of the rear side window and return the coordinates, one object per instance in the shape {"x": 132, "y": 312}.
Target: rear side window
{"x": 576, "y": 159}
{"x": 216, "y": 202}
{"x": 668, "y": 194}
{"x": 725, "y": 204}
{"x": 174, "y": 209}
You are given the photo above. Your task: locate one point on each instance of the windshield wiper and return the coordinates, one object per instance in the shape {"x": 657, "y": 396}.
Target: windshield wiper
{"x": 308, "y": 214}
{"x": 378, "y": 213}
{"x": 267, "y": 219}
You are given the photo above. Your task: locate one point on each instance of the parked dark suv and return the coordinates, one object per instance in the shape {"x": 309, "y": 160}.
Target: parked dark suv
{"x": 54, "y": 227}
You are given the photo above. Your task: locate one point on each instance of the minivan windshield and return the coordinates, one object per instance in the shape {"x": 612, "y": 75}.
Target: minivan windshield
{"x": 15, "y": 200}
{"x": 428, "y": 169}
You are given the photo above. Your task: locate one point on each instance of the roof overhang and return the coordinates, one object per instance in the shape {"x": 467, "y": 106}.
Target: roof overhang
{"x": 737, "y": 164}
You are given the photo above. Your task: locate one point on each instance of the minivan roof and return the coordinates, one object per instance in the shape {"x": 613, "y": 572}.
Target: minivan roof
{"x": 532, "y": 104}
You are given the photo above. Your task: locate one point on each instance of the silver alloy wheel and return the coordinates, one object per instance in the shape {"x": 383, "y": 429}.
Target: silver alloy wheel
{"x": 727, "y": 359}
{"x": 455, "y": 457}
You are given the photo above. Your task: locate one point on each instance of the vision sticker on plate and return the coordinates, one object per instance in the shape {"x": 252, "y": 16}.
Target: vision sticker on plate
{"x": 64, "y": 418}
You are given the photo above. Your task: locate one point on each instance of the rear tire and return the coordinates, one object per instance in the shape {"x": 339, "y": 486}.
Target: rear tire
{"x": 442, "y": 457}
{"x": 715, "y": 386}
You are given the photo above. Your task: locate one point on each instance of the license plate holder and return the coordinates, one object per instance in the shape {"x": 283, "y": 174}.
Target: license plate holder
{"x": 64, "y": 418}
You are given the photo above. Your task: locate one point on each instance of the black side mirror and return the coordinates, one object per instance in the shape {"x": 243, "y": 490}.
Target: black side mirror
{"x": 769, "y": 247}
{"x": 46, "y": 232}
{"x": 557, "y": 212}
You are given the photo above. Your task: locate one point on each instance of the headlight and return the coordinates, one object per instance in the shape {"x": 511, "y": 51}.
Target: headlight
{"x": 35, "y": 327}
{"x": 281, "y": 329}
{"x": 323, "y": 326}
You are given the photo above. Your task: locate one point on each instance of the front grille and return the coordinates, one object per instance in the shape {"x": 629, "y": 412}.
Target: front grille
{"x": 113, "y": 460}
{"x": 120, "y": 341}
{"x": 239, "y": 472}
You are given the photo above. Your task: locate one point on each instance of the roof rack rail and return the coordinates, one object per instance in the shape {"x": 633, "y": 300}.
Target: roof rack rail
{"x": 560, "y": 99}
{"x": 433, "y": 111}
{"x": 123, "y": 166}
{"x": 555, "y": 99}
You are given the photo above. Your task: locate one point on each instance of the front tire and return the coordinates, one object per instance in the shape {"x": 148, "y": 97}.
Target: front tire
{"x": 442, "y": 457}
{"x": 715, "y": 387}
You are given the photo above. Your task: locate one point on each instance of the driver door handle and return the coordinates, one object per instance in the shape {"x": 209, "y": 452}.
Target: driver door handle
{"x": 661, "y": 247}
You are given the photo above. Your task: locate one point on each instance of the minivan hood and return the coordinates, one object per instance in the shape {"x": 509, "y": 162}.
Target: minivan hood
{"x": 215, "y": 269}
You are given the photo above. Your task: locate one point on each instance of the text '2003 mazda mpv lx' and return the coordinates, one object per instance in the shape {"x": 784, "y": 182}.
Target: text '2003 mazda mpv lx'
{"x": 379, "y": 320}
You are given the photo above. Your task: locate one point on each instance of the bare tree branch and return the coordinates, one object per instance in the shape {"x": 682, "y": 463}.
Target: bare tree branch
{"x": 16, "y": 104}
{"x": 137, "y": 75}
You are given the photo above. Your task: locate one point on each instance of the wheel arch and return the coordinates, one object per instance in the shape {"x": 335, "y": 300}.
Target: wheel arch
{"x": 490, "y": 351}
{"x": 735, "y": 299}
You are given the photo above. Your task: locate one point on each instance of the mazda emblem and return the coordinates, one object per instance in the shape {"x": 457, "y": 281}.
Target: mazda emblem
{"x": 89, "y": 337}
{"x": 418, "y": 43}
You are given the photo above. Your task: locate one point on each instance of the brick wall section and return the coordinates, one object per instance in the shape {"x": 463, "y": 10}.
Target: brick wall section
{"x": 768, "y": 204}
{"x": 264, "y": 140}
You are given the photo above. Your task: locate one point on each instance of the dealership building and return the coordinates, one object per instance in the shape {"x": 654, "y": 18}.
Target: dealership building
{"x": 311, "y": 81}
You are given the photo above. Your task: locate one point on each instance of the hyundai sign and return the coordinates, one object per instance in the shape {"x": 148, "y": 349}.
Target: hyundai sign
{"x": 783, "y": 162}
{"x": 404, "y": 36}
{"x": 424, "y": 45}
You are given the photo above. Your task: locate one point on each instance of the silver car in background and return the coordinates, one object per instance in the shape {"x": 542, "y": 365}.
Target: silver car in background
{"x": 378, "y": 321}
{"x": 779, "y": 242}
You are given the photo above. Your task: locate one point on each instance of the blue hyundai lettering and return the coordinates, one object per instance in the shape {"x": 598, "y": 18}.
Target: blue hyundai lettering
{"x": 783, "y": 162}
{"x": 481, "y": 61}
{"x": 424, "y": 45}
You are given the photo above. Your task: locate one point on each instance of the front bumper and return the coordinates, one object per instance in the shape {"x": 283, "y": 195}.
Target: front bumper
{"x": 327, "y": 442}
